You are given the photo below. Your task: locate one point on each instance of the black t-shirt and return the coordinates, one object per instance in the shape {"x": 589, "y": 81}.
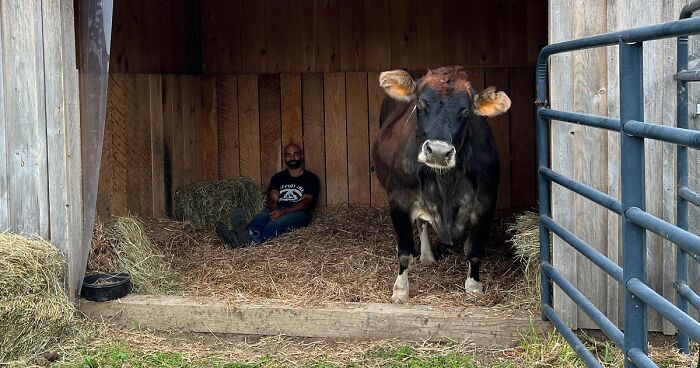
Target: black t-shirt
{"x": 292, "y": 188}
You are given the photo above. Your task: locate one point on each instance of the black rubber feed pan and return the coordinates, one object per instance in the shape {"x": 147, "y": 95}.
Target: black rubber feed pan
{"x": 101, "y": 287}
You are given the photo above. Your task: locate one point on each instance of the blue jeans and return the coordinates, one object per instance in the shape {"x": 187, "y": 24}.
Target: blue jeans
{"x": 262, "y": 227}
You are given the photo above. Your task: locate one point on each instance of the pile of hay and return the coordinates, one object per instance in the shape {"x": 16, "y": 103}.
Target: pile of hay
{"x": 203, "y": 204}
{"x": 347, "y": 254}
{"x": 526, "y": 245}
{"x": 35, "y": 311}
{"x": 125, "y": 247}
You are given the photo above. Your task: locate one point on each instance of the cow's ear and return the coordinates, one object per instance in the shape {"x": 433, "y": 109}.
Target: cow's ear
{"x": 491, "y": 103}
{"x": 398, "y": 84}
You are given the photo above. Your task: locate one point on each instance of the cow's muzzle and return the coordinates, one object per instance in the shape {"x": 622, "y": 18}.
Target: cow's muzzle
{"x": 438, "y": 155}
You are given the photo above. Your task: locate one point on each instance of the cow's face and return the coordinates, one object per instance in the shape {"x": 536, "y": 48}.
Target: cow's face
{"x": 444, "y": 102}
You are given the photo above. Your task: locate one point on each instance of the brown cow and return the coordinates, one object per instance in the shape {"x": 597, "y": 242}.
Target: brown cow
{"x": 435, "y": 155}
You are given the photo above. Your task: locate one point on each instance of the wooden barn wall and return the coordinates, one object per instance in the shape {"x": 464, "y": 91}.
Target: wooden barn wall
{"x": 588, "y": 82}
{"x": 165, "y": 131}
{"x": 305, "y": 36}
{"x": 40, "y": 150}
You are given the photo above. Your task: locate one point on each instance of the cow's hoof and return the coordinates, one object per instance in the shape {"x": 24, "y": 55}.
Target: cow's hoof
{"x": 473, "y": 286}
{"x": 399, "y": 297}
{"x": 427, "y": 259}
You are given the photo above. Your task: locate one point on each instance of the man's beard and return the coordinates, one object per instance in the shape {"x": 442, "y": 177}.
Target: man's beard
{"x": 293, "y": 164}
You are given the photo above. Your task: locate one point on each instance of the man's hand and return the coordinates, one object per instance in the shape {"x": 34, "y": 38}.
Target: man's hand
{"x": 277, "y": 214}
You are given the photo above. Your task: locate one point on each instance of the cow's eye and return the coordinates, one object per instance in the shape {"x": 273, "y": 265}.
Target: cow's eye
{"x": 421, "y": 105}
{"x": 465, "y": 112}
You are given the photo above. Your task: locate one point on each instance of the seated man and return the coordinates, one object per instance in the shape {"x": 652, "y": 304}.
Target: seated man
{"x": 291, "y": 197}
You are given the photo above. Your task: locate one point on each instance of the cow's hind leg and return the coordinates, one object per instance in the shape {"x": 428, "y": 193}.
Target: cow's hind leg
{"x": 406, "y": 251}
{"x": 426, "y": 253}
{"x": 474, "y": 248}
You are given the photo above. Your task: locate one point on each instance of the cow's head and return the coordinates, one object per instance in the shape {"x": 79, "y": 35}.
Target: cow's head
{"x": 445, "y": 102}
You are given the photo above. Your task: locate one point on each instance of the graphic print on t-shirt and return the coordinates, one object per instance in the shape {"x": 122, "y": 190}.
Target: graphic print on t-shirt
{"x": 290, "y": 193}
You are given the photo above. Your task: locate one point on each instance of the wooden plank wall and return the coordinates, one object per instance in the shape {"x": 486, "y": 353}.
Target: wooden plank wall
{"x": 588, "y": 82}
{"x": 165, "y": 131}
{"x": 40, "y": 152}
{"x": 304, "y": 36}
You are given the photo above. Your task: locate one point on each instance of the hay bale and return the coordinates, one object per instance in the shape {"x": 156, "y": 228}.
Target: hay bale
{"x": 203, "y": 204}
{"x": 34, "y": 308}
{"x": 136, "y": 255}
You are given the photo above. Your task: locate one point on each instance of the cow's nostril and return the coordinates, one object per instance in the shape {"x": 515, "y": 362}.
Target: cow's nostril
{"x": 428, "y": 150}
{"x": 449, "y": 155}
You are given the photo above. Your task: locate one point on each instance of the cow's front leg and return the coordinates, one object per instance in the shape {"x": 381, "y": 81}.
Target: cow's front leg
{"x": 406, "y": 251}
{"x": 426, "y": 253}
{"x": 474, "y": 249}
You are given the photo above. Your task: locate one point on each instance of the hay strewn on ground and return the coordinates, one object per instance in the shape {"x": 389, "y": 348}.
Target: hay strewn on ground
{"x": 34, "y": 309}
{"x": 124, "y": 246}
{"x": 205, "y": 203}
{"x": 346, "y": 255}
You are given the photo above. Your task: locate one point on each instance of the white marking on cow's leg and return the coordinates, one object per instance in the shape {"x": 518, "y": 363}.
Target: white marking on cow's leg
{"x": 471, "y": 285}
{"x": 400, "y": 292}
{"x": 426, "y": 253}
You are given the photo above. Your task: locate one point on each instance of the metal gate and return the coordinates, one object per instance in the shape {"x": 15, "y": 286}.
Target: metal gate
{"x": 636, "y": 221}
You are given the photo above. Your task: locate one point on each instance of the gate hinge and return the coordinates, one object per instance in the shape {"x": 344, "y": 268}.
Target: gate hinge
{"x": 541, "y": 103}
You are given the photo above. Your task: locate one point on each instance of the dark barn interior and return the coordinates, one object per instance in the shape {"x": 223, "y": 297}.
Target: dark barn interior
{"x": 211, "y": 89}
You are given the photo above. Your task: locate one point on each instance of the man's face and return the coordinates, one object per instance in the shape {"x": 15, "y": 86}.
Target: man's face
{"x": 293, "y": 157}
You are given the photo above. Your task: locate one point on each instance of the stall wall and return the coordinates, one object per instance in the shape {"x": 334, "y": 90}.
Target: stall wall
{"x": 164, "y": 131}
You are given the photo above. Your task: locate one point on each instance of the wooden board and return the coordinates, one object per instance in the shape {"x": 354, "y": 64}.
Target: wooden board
{"x": 484, "y": 48}
{"x": 358, "y": 138}
{"x": 356, "y": 321}
{"x": 590, "y": 76}
{"x": 209, "y": 144}
{"x": 500, "y": 126}
{"x": 377, "y": 35}
{"x": 26, "y": 119}
{"x": 292, "y": 127}
{"x": 537, "y": 28}
{"x": 249, "y": 126}
{"x": 270, "y": 127}
{"x": 304, "y": 38}
{"x": 157, "y": 144}
{"x": 404, "y": 30}
{"x": 314, "y": 130}
{"x": 227, "y": 117}
{"x": 523, "y": 184}
{"x": 375, "y": 97}
{"x": 4, "y": 185}
{"x": 277, "y": 35}
{"x": 456, "y": 32}
{"x": 178, "y": 137}
{"x": 328, "y": 57}
{"x": 430, "y": 34}
{"x": 512, "y": 43}
{"x": 335, "y": 137}
{"x": 253, "y": 59}
{"x": 190, "y": 120}
{"x": 171, "y": 114}
{"x": 561, "y": 90}
{"x": 142, "y": 180}
{"x": 122, "y": 107}
{"x": 352, "y": 36}
{"x": 221, "y": 35}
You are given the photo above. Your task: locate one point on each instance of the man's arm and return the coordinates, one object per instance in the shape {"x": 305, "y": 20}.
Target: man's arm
{"x": 272, "y": 198}
{"x": 304, "y": 203}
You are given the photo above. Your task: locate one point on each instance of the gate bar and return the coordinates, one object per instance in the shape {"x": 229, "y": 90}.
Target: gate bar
{"x": 686, "y": 292}
{"x": 594, "y": 195}
{"x": 689, "y": 242}
{"x": 687, "y": 194}
{"x": 582, "y": 119}
{"x": 685, "y": 137}
{"x": 640, "y": 359}
{"x": 584, "y": 248}
{"x": 570, "y": 337}
{"x": 596, "y": 315}
{"x": 632, "y": 189}
{"x": 688, "y": 76}
{"x": 665, "y": 308}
